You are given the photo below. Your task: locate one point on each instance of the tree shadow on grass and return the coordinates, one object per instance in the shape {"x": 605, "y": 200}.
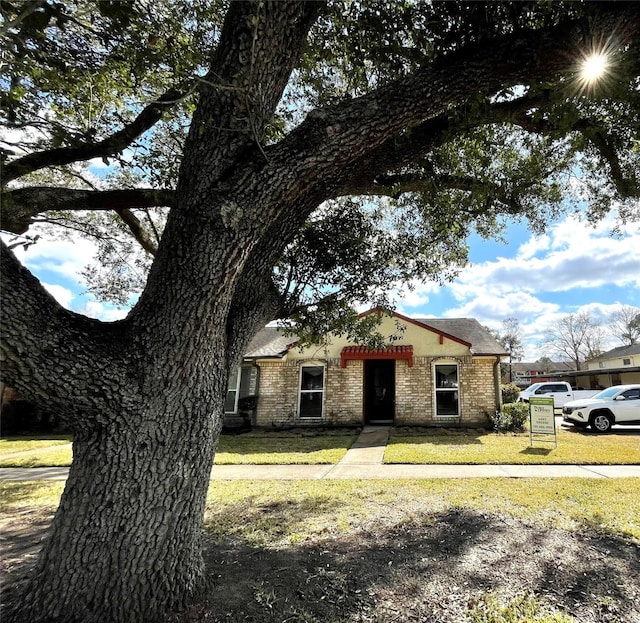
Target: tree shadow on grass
{"x": 412, "y": 566}
{"x": 429, "y": 568}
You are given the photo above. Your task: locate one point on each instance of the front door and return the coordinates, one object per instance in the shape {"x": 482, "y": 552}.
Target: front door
{"x": 379, "y": 391}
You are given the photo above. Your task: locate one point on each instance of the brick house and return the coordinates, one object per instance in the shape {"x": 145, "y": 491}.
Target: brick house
{"x": 432, "y": 372}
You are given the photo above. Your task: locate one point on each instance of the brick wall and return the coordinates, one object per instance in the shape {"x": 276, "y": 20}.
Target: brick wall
{"x": 344, "y": 393}
{"x": 277, "y": 392}
{"x": 344, "y": 388}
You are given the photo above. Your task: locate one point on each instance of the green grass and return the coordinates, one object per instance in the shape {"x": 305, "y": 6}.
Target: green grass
{"x": 24, "y": 444}
{"x": 44, "y": 457}
{"x": 30, "y": 494}
{"x": 266, "y": 448}
{"x": 419, "y": 447}
{"x": 49, "y": 451}
{"x": 255, "y": 448}
{"x": 284, "y": 512}
{"x": 574, "y": 448}
{"x": 489, "y": 608}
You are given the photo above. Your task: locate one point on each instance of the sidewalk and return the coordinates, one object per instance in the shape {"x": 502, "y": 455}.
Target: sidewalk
{"x": 364, "y": 461}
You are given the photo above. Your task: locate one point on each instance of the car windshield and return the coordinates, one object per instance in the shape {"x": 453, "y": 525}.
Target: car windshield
{"x": 607, "y": 393}
{"x": 532, "y": 388}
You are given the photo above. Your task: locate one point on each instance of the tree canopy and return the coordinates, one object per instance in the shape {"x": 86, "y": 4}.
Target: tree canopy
{"x": 120, "y": 81}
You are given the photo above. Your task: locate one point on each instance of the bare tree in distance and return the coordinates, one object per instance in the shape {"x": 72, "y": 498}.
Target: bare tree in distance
{"x": 511, "y": 338}
{"x": 575, "y": 337}
{"x": 624, "y": 324}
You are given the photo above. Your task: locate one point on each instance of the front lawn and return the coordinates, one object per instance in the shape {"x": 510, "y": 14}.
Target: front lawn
{"x": 24, "y": 444}
{"x": 481, "y": 448}
{"x": 283, "y": 448}
{"x": 32, "y": 451}
{"x": 277, "y": 512}
{"x": 308, "y": 447}
{"x": 447, "y": 551}
{"x": 254, "y": 448}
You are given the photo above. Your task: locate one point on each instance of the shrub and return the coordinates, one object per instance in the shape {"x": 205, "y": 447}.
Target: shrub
{"x": 510, "y": 393}
{"x": 511, "y": 418}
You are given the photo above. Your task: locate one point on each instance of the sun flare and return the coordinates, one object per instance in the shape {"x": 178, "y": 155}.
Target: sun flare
{"x": 594, "y": 67}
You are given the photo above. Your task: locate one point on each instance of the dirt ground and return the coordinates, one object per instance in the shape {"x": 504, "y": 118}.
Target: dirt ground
{"x": 421, "y": 567}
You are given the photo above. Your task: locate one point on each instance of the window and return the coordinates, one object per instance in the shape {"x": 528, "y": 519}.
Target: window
{"x": 231, "y": 403}
{"x": 311, "y": 391}
{"x": 631, "y": 394}
{"x": 447, "y": 399}
{"x": 241, "y": 381}
{"x": 626, "y": 361}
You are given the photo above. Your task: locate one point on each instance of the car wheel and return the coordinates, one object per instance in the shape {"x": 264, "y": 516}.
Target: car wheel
{"x": 601, "y": 423}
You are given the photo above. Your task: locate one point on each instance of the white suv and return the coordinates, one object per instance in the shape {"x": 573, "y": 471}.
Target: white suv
{"x": 616, "y": 405}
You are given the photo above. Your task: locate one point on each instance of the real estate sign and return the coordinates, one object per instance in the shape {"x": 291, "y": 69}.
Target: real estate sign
{"x": 542, "y": 420}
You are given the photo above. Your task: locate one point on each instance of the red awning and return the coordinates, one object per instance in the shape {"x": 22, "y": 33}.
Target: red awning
{"x": 360, "y": 353}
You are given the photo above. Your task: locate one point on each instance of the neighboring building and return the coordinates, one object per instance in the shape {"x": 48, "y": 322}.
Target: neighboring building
{"x": 619, "y": 366}
{"x": 432, "y": 372}
{"x": 527, "y": 373}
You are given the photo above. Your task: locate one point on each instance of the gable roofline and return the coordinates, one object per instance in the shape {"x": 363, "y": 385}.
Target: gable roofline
{"x": 271, "y": 342}
{"x": 619, "y": 351}
{"x": 418, "y": 323}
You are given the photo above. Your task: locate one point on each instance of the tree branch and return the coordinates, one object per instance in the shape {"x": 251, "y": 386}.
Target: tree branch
{"x": 35, "y": 328}
{"x": 258, "y": 48}
{"x": 365, "y": 175}
{"x": 598, "y": 137}
{"x": 111, "y": 145}
{"x": 20, "y": 206}
{"x": 394, "y": 185}
{"x": 138, "y": 231}
{"x": 337, "y": 137}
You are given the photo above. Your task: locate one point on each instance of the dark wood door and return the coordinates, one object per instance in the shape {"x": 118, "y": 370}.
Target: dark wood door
{"x": 379, "y": 391}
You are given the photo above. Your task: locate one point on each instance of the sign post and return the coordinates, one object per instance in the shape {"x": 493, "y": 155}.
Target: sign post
{"x": 542, "y": 420}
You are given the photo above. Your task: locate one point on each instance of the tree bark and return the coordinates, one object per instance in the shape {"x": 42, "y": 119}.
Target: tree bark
{"x": 125, "y": 542}
{"x": 124, "y": 546}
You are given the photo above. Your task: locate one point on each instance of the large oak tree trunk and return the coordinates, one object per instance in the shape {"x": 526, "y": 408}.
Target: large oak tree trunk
{"x": 125, "y": 543}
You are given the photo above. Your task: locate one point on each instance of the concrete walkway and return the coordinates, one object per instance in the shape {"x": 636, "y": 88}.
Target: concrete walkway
{"x": 364, "y": 461}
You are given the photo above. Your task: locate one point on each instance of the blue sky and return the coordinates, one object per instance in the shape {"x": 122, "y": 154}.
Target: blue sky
{"x": 573, "y": 267}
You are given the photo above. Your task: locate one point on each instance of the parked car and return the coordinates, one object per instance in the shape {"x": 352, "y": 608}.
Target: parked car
{"x": 616, "y": 405}
{"x": 560, "y": 391}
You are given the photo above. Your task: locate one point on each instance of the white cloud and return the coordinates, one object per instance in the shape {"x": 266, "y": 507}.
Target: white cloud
{"x": 65, "y": 258}
{"x": 577, "y": 256}
{"x": 416, "y": 297}
{"x": 101, "y": 311}
{"x": 533, "y": 246}
{"x": 64, "y": 296}
{"x": 547, "y": 277}
{"x": 494, "y": 309}
{"x": 62, "y": 261}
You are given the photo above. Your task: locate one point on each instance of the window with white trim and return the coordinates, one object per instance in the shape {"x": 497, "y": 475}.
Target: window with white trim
{"x": 241, "y": 382}
{"x": 233, "y": 390}
{"x": 311, "y": 391}
{"x": 626, "y": 361}
{"x": 446, "y": 390}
